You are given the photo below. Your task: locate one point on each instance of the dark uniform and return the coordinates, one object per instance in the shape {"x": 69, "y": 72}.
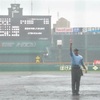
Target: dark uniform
{"x": 76, "y": 72}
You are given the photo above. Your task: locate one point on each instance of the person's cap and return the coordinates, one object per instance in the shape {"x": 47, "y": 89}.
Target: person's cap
{"x": 76, "y": 49}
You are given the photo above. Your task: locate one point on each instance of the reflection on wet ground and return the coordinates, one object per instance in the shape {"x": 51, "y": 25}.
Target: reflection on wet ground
{"x": 47, "y": 86}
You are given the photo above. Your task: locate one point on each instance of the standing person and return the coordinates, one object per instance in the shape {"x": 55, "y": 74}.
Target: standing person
{"x": 76, "y": 72}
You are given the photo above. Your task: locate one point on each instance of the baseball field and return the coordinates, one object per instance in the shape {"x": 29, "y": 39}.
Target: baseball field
{"x": 54, "y": 85}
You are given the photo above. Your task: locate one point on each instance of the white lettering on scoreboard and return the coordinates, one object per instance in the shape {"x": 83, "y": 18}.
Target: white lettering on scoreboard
{"x": 26, "y": 44}
{"x": 18, "y": 44}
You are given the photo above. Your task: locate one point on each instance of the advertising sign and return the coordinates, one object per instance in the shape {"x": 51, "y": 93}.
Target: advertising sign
{"x": 64, "y": 30}
{"x": 96, "y": 62}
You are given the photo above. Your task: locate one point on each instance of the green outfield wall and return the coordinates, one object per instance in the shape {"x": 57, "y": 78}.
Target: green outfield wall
{"x": 40, "y": 67}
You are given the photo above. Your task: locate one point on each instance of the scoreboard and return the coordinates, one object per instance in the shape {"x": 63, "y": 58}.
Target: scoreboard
{"x": 36, "y": 27}
{"x": 24, "y": 27}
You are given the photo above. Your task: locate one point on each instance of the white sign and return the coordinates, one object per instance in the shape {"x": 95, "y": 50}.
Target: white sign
{"x": 59, "y": 42}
